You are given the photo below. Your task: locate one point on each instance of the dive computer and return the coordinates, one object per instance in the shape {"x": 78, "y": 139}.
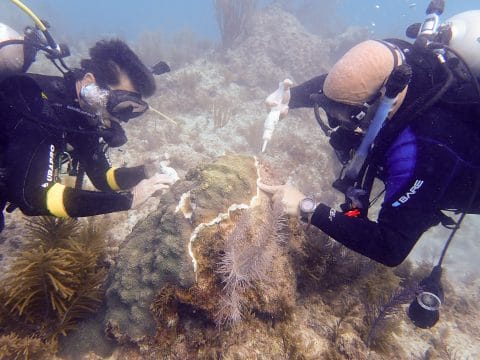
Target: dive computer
{"x": 306, "y": 209}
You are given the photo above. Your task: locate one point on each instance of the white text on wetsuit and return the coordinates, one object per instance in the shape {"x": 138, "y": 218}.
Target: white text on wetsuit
{"x": 413, "y": 190}
{"x": 51, "y": 158}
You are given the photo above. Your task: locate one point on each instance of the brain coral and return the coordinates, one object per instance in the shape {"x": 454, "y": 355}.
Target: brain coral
{"x": 181, "y": 245}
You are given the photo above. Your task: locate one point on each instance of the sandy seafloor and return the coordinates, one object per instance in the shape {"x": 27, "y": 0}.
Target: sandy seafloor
{"x": 237, "y": 82}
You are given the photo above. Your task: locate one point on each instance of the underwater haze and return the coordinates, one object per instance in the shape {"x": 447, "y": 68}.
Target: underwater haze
{"x": 210, "y": 268}
{"x": 128, "y": 19}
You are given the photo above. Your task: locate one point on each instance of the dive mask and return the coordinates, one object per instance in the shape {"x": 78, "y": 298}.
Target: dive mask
{"x": 341, "y": 115}
{"x": 121, "y": 104}
{"x": 125, "y": 105}
{"x": 346, "y": 123}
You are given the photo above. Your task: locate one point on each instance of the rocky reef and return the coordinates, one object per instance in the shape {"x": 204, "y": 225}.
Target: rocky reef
{"x": 213, "y": 271}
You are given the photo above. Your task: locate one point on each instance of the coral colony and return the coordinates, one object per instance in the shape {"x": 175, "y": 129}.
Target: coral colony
{"x": 211, "y": 269}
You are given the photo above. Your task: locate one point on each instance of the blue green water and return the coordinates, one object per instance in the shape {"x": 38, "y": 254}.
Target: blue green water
{"x": 391, "y": 17}
{"x": 88, "y": 19}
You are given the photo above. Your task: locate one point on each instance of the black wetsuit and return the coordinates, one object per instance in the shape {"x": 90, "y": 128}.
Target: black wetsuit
{"x": 40, "y": 119}
{"x": 431, "y": 166}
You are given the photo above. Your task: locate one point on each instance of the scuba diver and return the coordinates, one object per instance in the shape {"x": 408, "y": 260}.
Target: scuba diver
{"x": 50, "y": 121}
{"x": 408, "y": 115}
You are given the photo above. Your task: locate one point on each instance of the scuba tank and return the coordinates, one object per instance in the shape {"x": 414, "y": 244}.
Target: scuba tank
{"x": 11, "y": 56}
{"x": 17, "y": 53}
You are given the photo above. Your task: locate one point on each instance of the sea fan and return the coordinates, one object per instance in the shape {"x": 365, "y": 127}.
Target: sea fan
{"x": 232, "y": 18}
{"x": 248, "y": 255}
{"x": 378, "y": 315}
{"x": 234, "y": 265}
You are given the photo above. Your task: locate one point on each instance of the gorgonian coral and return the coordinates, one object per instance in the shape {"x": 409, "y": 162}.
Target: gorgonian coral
{"x": 54, "y": 281}
{"x": 246, "y": 262}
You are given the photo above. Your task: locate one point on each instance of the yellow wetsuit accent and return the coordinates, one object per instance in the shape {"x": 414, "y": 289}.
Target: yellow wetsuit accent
{"x": 111, "y": 179}
{"x": 55, "y": 200}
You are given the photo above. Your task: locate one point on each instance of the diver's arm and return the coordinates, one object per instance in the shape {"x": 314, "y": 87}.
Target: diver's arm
{"x": 101, "y": 173}
{"x": 30, "y": 161}
{"x": 62, "y": 201}
{"x": 127, "y": 177}
{"x": 388, "y": 241}
{"x": 417, "y": 175}
{"x": 67, "y": 202}
{"x": 300, "y": 95}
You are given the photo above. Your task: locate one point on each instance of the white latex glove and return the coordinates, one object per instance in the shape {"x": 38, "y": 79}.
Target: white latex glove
{"x": 147, "y": 187}
{"x": 153, "y": 166}
{"x": 287, "y": 195}
{"x": 276, "y": 99}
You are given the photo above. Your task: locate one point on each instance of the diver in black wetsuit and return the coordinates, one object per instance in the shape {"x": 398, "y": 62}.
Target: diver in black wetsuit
{"x": 44, "y": 118}
{"x": 430, "y": 164}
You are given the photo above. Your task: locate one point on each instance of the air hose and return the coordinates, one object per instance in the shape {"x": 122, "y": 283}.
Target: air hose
{"x": 41, "y": 26}
{"x": 397, "y": 81}
{"x": 54, "y": 50}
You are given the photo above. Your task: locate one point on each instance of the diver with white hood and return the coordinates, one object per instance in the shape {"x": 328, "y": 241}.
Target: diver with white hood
{"x": 408, "y": 115}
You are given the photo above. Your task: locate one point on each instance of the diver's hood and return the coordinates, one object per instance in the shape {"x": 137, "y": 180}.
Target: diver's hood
{"x": 357, "y": 77}
{"x": 357, "y": 80}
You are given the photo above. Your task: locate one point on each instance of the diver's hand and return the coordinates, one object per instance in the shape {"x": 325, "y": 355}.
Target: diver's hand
{"x": 287, "y": 195}
{"x": 148, "y": 187}
{"x": 153, "y": 166}
{"x": 276, "y": 100}
{"x": 150, "y": 168}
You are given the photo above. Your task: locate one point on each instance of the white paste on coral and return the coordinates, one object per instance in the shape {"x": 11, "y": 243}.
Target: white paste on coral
{"x": 185, "y": 205}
